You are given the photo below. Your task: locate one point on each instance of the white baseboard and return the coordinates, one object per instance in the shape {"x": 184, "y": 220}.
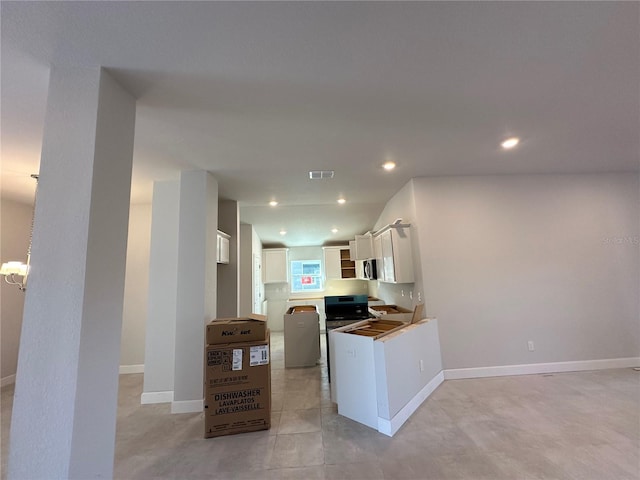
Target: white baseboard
{"x": 536, "y": 368}
{"x": 148, "y": 398}
{"x": 8, "y": 380}
{"x": 131, "y": 369}
{"x": 187, "y": 406}
{"x": 390, "y": 427}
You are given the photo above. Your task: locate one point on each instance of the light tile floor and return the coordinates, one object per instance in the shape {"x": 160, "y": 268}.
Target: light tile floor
{"x": 583, "y": 426}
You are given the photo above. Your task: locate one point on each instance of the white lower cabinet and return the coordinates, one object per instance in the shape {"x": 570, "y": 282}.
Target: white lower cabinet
{"x": 301, "y": 337}
{"x": 380, "y": 383}
{"x": 316, "y": 302}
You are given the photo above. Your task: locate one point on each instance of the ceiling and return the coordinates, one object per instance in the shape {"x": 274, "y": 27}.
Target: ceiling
{"x": 259, "y": 93}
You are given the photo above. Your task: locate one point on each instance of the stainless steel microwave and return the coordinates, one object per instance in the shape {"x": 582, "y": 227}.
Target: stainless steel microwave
{"x": 370, "y": 271}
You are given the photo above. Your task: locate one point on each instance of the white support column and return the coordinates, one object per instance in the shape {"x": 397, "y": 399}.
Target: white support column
{"x": 196, "y": 289}
{"x": 160, "y": 336}
{"x": 64, "y": 411}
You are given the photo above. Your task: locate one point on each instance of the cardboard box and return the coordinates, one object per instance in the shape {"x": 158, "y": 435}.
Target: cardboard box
{"x": 237, "y": 388}
{"x": 391, "y": 312}
{"x": 231, "y": 330}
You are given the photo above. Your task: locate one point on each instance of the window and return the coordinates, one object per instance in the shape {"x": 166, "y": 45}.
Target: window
{"x": 306, "y": 275}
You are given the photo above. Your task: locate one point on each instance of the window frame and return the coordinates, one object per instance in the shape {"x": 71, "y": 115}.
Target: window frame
{"x": 319, "y": 276}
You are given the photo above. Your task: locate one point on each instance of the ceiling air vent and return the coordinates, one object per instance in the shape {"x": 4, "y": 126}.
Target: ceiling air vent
{"x": 320, "y": 174}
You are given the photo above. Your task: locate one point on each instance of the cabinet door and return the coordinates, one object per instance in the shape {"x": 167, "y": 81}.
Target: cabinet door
{"x": 275, "y": 266}
{"x": 396, "y": 264}
{"x": 332, "y": 268}
{"x": 402, "y": 255}
{"x": 223, "y": 249}
{"x": 386, "y": 247}
{"x": 364, "y": 247}
{"x": 360, "y": 269}
{"x": 377, "y": 253}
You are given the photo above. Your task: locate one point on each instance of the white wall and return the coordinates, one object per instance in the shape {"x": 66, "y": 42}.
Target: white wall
{"x": 16, "y": 225}
{"x": 245, "y": 260}
{"x": 250, "y": 245}
{"x": 548, "y": 258}
{"x": 136, "y": 286}
{"x": 160, "y": 334}
{"x": 16, "y": 222}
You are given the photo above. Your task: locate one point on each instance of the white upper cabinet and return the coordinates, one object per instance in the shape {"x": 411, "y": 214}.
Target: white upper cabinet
{"x": 222, "y": 247}
{"x": 386, "y": 246}
{"x": 338, "y": 264}
{"x": 275, "y": 265}
{"x": 364, "y": 247}
{"x": 377, "y": 254}
{"x": 395, "y": 252}
{"x": 332, "y": 268}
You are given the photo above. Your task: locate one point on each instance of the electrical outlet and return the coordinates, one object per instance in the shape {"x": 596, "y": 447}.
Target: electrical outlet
{"x": 421, "y": 366}
{"x": 411, "y": 294}
{"x": 531, "y": 345}
{"x": 402, "y": 292}
{"x": 419, "y": 296}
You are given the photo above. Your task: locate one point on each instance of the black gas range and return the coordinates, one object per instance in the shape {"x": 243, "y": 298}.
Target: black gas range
{"x": 342, "y": 308}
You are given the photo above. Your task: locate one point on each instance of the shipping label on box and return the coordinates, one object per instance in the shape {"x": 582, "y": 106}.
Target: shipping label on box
{"x": 230, "y": 359}
{"x": 227, "y": 330}
{"x": 259, "y": 355}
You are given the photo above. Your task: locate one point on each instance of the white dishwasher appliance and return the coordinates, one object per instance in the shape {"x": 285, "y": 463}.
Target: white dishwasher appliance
{"x": 301, "y": 336}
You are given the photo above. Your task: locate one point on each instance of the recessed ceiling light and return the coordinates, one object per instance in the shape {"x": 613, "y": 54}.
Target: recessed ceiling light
{"x": 388, "y": 166}
{"x": 273, "y": 203}
{"x": 283, "y": 232}
{"x": 510, "y": 143}
{"x": 334, "y": 230}
{"x": 342, "y": 201}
